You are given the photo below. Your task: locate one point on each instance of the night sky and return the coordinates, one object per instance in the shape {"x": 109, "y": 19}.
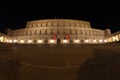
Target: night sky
{"x": 15, "y": 16}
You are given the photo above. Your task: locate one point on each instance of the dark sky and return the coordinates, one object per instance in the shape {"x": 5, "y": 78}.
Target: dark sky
{"x": 15, "y": 16}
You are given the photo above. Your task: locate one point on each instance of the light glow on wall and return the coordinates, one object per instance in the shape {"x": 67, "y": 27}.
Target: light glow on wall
{"x": 76, "y": 41}
{"x": 95, "y": 41}
{"x": 110, "y": 39}
{"x": 86, "y": 41}
{"x": 40, "y": 41}
{"x": 65, "y": 41}
{"x": 5, "y": 39}
{"x": 30, "y": 41}
{"x": 15, "y": 41}
{"x": 101, "y": 40}
{"x": 10, "y": 41}
{"x": 115, "y": 38}
{"x": 1, "y": 39}
{"x": 51, "y": 41}
{"x": 22, "y": 41}
{"x": 105, "y": 40}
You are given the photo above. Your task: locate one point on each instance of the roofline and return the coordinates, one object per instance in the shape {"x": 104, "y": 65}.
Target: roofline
{"x": 58, "y": 20}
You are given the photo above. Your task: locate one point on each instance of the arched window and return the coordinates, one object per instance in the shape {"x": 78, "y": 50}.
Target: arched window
{"x": 42, "y": 31}
{"x": 43, "y": 24}
{"x": 73, "y": 31}
{"x": 54, "y": 31}
{"x": 48, "y": 31}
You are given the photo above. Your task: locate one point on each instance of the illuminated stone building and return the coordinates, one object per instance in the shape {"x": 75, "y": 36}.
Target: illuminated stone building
{"x": 63, "y": 31}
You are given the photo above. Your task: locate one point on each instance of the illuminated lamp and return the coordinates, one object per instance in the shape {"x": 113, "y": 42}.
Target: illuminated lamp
{"x": 77, "y": 41}
{"x": 94, "y": 40}
{"x": 100, "y": 40}
{"x": 39, "y": 41}
{"x": 86, "y": 41}
{"x": 10, "y": 41}
{"x": 105, "y": 40}
{"x": 52, "y": 41}
{"x": 117, "y": 38}
{"x": 29, "y": 41}
{"x": 22, "y": 41}
{"x": 65, "y": 41}
{"x": 15, "y": 41}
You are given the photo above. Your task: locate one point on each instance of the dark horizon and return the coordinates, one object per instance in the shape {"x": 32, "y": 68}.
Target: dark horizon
{"x": 15, "y": 16}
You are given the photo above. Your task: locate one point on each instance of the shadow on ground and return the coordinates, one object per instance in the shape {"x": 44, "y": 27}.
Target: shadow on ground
{"x": 104, "y": 66}
{"x": 10, "y": 68}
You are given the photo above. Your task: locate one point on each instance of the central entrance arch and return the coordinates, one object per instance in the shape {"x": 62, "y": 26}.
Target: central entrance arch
{"x": 58, "y": 41}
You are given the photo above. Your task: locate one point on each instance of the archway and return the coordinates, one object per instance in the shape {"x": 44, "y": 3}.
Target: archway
{"x": 58, "y": 41}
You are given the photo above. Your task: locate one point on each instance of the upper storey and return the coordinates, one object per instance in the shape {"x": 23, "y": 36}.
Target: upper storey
{"x": 58, "y": 23}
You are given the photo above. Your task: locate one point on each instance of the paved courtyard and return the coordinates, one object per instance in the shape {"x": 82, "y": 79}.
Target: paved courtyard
{"x": 63, "y": 62}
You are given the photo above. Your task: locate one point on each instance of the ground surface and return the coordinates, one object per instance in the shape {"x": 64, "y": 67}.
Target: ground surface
{"x": 66, "y": 62}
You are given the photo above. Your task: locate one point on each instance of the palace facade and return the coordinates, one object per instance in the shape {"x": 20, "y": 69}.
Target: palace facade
{"x": 62, "y": 31}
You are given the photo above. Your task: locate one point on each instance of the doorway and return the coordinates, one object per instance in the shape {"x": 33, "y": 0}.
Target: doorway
{"x": 58, "y": 41}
